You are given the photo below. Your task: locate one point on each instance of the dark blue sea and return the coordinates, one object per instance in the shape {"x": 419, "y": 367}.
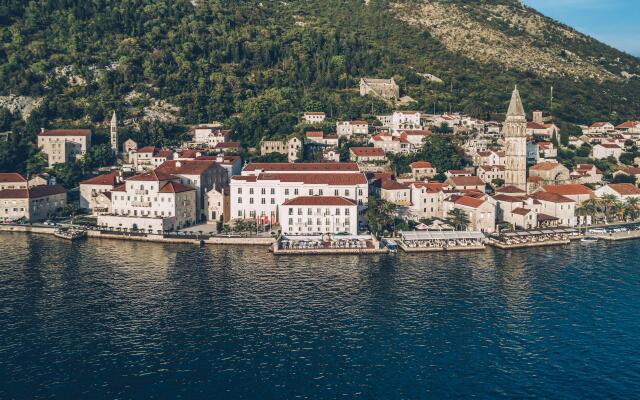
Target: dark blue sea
{"x": 104, "y": 319}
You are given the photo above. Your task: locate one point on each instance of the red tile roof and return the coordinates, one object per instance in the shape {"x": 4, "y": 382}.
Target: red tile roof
{"x": 432, "y": 187}
{"x": 609, "y": 146}
{"x": 416, "y": 132}
{"x": 552, "y": 197}
{"x": 66, "y": 132}
{"x": 545, "y": 166}
{"x": 628, "y": 125}
{"x": 421, "y": 164}
{"x": 466, "y": 181}
{"x": 33, "y": 192}
{"x": 109, "y": 179}
{"x": 469, "y": 201}
{"x": 568, "y": 190}
{"x": 625, "y": 189}
{"x": 535, "y": 125}
{"x": 153, "y": 176}
{"x": 121, "y": 188}
{"x": 521, "y": 211}
{"x": 228, "y": 145}
{"x": 367, "y": 151}
{"x": 510, "y": 189}
{"x": 389, "y": 184}
{"x": 175, "y": 187}
{"x": 187, "y": 167}
{"x": 509, "y": 199}
{"x": 630, "y": 171}
{"x": 7, "y": 177}
{"x": 314, "y": 134}
{"x": 534, "y": 179}
{"x": 319, "y": 201}
{"x": 302, "y": 167}
{"x": 318, "y": 179}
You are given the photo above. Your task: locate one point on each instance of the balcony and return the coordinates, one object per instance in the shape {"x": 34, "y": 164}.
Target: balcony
{"x": 141, "y": 203}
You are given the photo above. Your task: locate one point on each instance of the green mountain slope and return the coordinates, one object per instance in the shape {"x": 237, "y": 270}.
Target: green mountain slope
{"x": 269, "y": 60}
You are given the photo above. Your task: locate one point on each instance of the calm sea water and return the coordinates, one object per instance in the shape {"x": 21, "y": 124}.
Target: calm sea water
{"x": 112, "y": 319}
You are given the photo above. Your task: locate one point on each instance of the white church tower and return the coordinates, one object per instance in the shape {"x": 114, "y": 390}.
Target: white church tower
{"x": 114, "y": 133}
{"x": 515, "y": 137}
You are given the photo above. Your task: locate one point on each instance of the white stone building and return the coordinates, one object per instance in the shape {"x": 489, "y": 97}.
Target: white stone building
{"x": 316, "y": 215}
{"x": 263, "y": 187}
{"x": 63, "y": 145}
{"x": 33, "y": 204}
{"x": 313, "y": 117}
{"x": 90, "y": 190}
{"x": 349, "y": 128}
{"x": 152, "y": 202}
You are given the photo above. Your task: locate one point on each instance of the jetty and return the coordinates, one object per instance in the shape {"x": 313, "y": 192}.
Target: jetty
{"x": 328, "y": 244}
{"x": 430, "y": 241}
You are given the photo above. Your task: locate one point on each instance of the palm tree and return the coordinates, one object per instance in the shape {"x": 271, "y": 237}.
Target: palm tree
{"x": 618, "y": 210}
{"x": 631, "y": 207}
{"x": 607, "y": 203}
{"x": 458, "y": 219}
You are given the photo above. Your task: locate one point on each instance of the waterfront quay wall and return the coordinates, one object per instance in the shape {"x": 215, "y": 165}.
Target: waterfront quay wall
{"x": 144, "y": 237}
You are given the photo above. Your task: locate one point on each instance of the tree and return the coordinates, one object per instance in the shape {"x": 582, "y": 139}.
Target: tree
{"x": 498, "y": 182}
{"x": 457, "y": 218}
{"x": 442, "y": 152}
{"x": 99, "y": 156}
{"x": 36, "y": 163}
{"x": 380, "y": 215}
{"x": 624, "y": 178}
{"x": 632, "y": 208}
{"x": 608, "y": 205}
{"x": 67, "y": 174}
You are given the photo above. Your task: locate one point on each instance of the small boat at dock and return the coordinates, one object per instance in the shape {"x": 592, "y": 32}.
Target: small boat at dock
{"x": 589, "y": 239}
{"x": 70, "y": 233}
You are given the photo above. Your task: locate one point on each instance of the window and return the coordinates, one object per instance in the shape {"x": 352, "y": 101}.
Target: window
{"x": 295, "y": 191}
{"x": 239, "y": 200}
{"x": 286, "y": 192}
{"x": 346, "y": 193}
{"x": 273, "y": 201}
{"x": 250, "y": 200}
{"x": 273, "y": 191}
{"x": 346, "y": 211}
{"x": 290, "y": 212}
{"x": 263, "y": 201}
{"x": 250, "y": 190}
{"x": 310, "y": 192}
{"x": 239, "y": 190}
{"x": 263, "y": 191}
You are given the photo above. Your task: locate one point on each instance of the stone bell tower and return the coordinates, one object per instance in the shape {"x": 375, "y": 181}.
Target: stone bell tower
{"x": 515, "y": 137}
{"x": 114, "y": 133}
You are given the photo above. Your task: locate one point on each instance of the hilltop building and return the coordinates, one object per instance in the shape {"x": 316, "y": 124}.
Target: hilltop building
{"x": 384, "y": 88}
{"x": 63, "y": 145}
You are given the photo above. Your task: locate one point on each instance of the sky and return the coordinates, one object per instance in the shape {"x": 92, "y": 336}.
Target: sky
{"x": 614, "y": 22}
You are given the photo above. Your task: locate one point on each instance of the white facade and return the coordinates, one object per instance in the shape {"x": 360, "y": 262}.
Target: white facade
{"x": 152, "y": 202}
{"x": 314, "y": 117}
{"x": 319, "y": 215}
{"x": 348, "y": 128}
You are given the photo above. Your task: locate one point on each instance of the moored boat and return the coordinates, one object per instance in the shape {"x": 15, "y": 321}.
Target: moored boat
{"x": 70, "y": 233}
{"x": 589, "y": 239}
